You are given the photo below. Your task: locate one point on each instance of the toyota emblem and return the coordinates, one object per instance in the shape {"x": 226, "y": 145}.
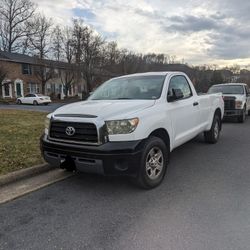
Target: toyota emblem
{"x": 70, "y": 131}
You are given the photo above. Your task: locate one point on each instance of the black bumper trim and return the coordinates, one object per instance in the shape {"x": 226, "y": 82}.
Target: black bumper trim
{"x": 112, "y": 158}
{"x": 233, "y": 113}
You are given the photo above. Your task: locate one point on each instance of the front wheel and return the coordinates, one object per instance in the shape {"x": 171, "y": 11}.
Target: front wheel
{"x": 35, "y": 103}
{"x": 242, "y": 117}
{"x": 19, "y": 102}
{"x": 212, "y": 136}
{"x": 153, "y": 163}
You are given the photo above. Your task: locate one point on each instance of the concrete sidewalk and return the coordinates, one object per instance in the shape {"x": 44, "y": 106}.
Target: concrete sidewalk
{"x": 24, "y": 181}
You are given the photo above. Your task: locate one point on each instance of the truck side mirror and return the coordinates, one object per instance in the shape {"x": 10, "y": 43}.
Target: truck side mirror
{"x": 177, "y": 94}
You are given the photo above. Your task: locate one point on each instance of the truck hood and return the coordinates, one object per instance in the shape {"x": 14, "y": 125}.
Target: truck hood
{"x": 106, "y": 109}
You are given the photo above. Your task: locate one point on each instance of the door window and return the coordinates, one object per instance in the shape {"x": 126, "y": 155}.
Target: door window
{"x": 180, "y": 82}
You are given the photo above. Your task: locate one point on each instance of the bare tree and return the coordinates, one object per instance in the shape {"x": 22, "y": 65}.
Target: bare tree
{"x": 68, "y": 75}
{"x": 88, "y": 48}
{"x": 91, "y": 57}
{"x": 68, "y": 44}
{"x": 57, "y": 42}
{"x": 40, "y": 44}
{"x": 14, "y": 22}
{"x": 44, "y": 71}
{"x": 112, "y": 53}
{"x": 78, "y": 39}
{"x": 40, "y": 38}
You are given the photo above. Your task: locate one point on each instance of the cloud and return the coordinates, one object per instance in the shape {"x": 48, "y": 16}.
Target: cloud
{"x": 198, "y": 31}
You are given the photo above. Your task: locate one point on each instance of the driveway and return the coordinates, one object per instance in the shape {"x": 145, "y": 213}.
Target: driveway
{"x": 203, "y": 204}
{"x": 42, "y": 108}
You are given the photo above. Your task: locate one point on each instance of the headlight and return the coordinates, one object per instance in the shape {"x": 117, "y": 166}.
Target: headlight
{"x": 238, "y": 104}
{"x": 47, "y": 124}
{"x": 122, "y": 126}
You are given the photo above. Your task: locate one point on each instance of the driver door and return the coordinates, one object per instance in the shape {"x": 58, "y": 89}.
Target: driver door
{"x": 184, "y": 112}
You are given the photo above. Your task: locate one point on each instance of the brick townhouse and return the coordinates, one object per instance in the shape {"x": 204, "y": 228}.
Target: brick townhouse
{"x": 21, "y": 77}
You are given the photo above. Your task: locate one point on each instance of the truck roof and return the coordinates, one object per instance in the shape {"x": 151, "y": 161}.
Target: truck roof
{"x": 231, "y": 83}
{"x": 161, "y": 73}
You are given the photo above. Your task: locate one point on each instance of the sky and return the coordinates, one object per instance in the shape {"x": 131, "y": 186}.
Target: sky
{"x": 196, "y": 31}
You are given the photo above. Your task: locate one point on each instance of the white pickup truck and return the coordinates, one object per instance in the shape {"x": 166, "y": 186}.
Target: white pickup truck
{"x": 236, "y": 98}
{"x": 130, "y": 124}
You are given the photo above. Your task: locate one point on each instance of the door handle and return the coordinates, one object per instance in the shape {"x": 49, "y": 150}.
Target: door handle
{"x": 195, "y": 104}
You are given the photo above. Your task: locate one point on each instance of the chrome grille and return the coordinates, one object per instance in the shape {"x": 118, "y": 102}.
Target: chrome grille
{"x": 84, "y": 132}
{"x": 229, "y": 103}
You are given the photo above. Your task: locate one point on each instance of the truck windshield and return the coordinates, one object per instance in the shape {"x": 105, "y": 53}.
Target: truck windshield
{"x": 227, "y": 89}
{"x": 133, "y": 87}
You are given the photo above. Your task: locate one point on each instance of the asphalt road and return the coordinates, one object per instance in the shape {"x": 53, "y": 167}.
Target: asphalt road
{"x": 203, "y": 204}
{"x": 42, "y": 108}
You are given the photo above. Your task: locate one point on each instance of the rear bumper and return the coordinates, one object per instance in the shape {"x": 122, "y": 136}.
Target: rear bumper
{"x": 233, "y": 113}
{"x": 112, "y": 158}
{"x": 44, "y": 101}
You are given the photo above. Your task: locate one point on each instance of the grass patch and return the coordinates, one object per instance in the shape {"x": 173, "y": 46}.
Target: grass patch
{"x": 19, "y": 139}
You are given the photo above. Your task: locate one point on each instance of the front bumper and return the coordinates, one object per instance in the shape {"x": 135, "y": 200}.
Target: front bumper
{"x": 233, "y": 113}
{"x": 112, "y": 158}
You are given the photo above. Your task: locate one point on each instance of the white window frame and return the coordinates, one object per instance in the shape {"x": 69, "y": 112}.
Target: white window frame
{"x": 10, "y": 89}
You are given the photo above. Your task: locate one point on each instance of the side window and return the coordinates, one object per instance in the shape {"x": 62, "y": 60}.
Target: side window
{"x": 27, "y": 95}
{"x": 247, "y": 90}
{"x": 26, "y": 69}
{"x": 179, "y": 82}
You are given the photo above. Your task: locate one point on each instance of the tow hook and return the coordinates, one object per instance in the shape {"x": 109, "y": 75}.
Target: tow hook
{"x": 68, "y": 164}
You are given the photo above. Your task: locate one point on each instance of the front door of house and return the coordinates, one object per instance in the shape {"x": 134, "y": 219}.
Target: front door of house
{"x": 18, "y": 89}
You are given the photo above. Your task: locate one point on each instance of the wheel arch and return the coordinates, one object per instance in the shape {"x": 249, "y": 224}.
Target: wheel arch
{"x": 219, "y": 113}
{"x": 162, "y": 134}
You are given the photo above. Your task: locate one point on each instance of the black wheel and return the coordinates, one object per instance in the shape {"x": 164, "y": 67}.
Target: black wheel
{"x": 153, "y": 163}
{"x": 242, "y": 117}
{"x": 249, "y": 112}
{"x": 46, "y": 104}
{"x": 35, "y": 103}
{"x": 212, "y": 136}
{"x": 19, "y": 102}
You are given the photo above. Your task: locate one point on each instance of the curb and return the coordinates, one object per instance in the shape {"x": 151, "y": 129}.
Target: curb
{"x": 24, "y": 173}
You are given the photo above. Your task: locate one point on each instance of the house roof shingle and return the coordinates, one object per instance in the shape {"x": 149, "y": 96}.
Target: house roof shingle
{"x": 20, "y": 58}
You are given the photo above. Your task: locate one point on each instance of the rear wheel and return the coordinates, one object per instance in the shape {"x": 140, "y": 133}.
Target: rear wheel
{"x": 153, "y": 163}
{"x": 242, "y": 117}
{"x": 212, "y": 136}
{"x": 35, "y": 103}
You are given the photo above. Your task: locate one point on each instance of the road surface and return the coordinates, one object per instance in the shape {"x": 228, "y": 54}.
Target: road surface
{"x": 203, "y": 203}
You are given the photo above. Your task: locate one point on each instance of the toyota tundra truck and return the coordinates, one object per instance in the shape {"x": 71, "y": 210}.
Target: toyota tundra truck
{"x": 236, "y": 98}
{"x": 129, "y": 126}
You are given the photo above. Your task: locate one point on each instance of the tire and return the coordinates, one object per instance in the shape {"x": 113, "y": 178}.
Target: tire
{"x": 46, "y": 104}
{"x": 242, "y": 118}
{"x": 35, "y": 103}
{"x": 212, "y": 136}
{"x": 19, "y": 102}
{"x": 152, "y": 171}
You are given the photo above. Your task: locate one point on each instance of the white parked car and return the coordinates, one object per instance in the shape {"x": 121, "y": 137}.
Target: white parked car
{"x": 129, "y": 126}
{"x": 34, "y": 99}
